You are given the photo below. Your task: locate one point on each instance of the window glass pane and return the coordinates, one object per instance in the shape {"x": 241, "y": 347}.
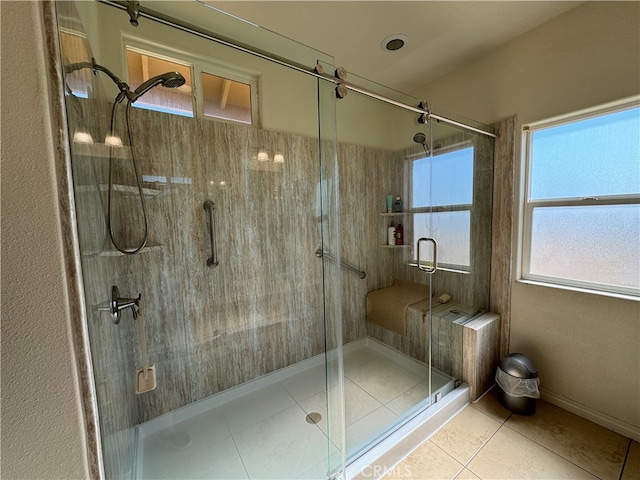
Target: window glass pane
{"x": 450, "y": 176}
{"x": 74, "y": 48}
{"x": 451, "y": 231}
{"x": 597, "y": 244}
{"x": 142, "y": 67}
{"x": 225, "y": 98}
{"x": 587, "y": 158}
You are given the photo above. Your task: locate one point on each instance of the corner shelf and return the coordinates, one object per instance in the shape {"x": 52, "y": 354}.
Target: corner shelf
{"x": 126, "y": 189}
{"x": 145, "y": 249}
{"x": 394, "y": 214}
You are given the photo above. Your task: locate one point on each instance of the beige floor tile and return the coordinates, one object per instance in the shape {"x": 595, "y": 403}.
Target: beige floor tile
{"x": 426, "y": 462}
{"x": 489, "y": 405}
{"x": 590, "y": 446}
{"x": 510, "y": 455}
{"x": 466, "y": 475}
{"x": 465, "y": 434}
{"x": 632, "y": 465}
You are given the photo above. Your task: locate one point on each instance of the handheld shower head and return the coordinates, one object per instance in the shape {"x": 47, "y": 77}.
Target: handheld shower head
{"x": 168, "y": 80}
{"x": 421, "y": 138}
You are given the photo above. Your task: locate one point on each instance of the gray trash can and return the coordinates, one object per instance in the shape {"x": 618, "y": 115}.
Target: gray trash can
{"x": 518, "y": 380}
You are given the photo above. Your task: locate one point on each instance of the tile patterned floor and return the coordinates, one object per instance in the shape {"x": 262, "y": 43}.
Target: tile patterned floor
{"x": 485, "y": 441}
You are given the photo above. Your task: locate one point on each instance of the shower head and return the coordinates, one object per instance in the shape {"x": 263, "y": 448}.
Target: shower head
{"x": 421, "y": 138}
{"x": 168, "y": 80}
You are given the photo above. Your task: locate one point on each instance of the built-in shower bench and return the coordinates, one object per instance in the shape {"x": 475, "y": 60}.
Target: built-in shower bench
{"x": 465, "y": 342}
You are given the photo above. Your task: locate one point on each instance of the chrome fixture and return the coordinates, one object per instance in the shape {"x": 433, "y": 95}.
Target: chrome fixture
{"x": 133, "y": 8}
{"x": 117, "y": 304}
{"x": 168, "y": 80}
{"x": 430, "y": 269}
{"x": 341, "y": 74}
{"x": 321, "y": 254}
{"x": 210, "y": 207}
{"x": 424, "y": 117}
{"x": 341, "y": 90}
{"x": 421, "y": 138}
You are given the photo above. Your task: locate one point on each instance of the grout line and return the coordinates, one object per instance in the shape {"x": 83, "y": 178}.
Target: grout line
{"x": 555, "y": 453}
{"x": 484, "y": 444}
{"x": 624, "y": 462}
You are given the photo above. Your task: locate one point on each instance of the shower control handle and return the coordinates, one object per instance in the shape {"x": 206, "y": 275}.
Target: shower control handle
{"x": 118, "y": 303}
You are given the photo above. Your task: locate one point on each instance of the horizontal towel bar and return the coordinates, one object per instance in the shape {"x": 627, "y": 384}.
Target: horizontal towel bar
{"x": 360, "y": 273}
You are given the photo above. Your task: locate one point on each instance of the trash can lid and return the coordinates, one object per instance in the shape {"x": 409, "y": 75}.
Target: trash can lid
{"x": 519, "y": 366}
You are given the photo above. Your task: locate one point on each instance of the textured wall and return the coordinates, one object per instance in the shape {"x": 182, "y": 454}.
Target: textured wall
{"x": 42, "y": 431}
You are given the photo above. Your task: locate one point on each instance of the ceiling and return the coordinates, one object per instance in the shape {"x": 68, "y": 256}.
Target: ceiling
{"x": 440, "y": 35}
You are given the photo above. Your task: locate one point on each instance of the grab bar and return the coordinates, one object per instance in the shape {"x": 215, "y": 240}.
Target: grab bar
{"x": 210, "y": 207}
{"x": 434, "y": 265}
{"x": 320, "y": 254}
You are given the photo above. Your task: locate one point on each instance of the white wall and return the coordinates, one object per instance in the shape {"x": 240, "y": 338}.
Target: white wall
{"x": 586, "y": 347}
{"x": 42, "y": 431}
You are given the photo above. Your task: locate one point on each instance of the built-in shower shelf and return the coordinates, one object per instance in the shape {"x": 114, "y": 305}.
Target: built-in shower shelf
{"x": 100, "y": 150}
{"x": 394, "y": 214}
{"x": 116, "y": 253}
{"x": 395, "y": 246}
{"x": 125, "y": 189}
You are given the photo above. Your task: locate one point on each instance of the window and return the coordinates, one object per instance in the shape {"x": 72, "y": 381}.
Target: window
{"x": 442, "y": 196}
{"x": 74, "y": 48}
{"x": 581, "y": 214}
{"x": 143, "y": 66}
{"x": 224, "y": 92}
{"x": 226, "y": 98}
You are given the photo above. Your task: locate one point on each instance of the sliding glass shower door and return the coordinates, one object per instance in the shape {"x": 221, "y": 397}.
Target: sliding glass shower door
{"x": 415, "y": 234}
{"x": 385, "y": 297}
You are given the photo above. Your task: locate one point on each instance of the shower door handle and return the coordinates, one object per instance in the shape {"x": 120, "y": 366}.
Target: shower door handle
{"x": 210, "y": 207}
{"x": 430, "y": 269}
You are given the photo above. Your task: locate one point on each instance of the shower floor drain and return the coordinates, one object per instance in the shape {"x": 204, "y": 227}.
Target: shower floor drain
{"x": 313, "y": 418}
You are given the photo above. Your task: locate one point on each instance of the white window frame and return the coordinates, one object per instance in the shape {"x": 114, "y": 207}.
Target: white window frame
{"x": 198, "y": 66}
{"x": 463, "y": 207}
{"x": 527, "y": 206}
{"x": 231, "y": 73}
{"x": 162, "y": 54}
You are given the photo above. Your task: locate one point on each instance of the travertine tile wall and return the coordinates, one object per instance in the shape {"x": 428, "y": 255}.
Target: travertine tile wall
{"x": 503, "y": 226}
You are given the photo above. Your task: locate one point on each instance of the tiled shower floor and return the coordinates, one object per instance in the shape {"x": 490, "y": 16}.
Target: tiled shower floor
{"x": 259, "y": 430}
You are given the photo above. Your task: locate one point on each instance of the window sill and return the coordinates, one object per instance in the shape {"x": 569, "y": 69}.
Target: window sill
{"x": 621, "y": 296}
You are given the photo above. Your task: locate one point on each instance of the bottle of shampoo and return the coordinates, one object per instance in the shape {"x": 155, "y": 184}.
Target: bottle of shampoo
{"x": 397, "y": 205}
{"x": 399, "y": 235}
{"x": 391, "y": 235}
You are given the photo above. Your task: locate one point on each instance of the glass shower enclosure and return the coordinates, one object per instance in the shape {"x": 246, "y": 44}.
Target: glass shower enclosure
{"x": 250, "y": 339}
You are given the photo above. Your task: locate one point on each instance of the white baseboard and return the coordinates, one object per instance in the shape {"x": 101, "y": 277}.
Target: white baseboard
{"x": 602, "y": 419}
